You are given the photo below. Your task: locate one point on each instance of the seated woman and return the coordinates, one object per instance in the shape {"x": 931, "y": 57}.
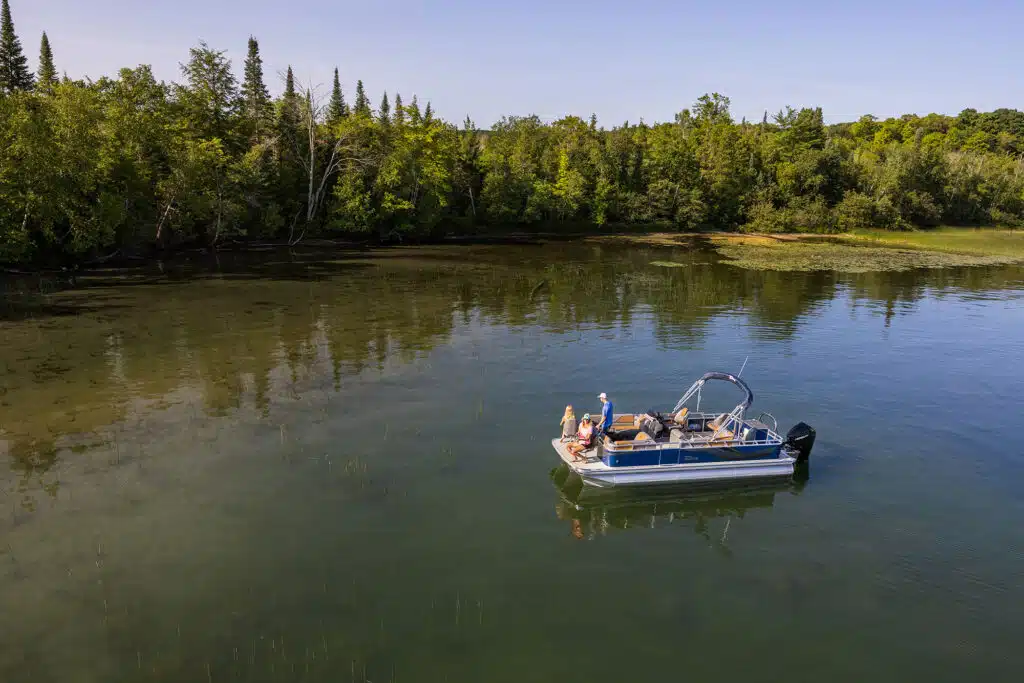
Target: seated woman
{"x": 568, "y": 424}
{"x": 584, "y": 438}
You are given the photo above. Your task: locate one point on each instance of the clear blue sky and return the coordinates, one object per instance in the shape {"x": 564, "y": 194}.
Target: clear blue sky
{"x": 622, "y": 60}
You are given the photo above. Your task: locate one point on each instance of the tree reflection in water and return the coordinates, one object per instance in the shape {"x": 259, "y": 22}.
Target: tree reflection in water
{"x": 82, "y": 367}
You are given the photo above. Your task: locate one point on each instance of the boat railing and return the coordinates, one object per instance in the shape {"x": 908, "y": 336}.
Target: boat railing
{"x": 695, "y": 441}
{"x": 734, "y": 418}
{"x": 775, "y": 423}
{"x": 684, "y": 447}
{"x": 733, "y": 424}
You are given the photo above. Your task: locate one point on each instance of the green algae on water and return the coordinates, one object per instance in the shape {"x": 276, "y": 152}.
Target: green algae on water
{"x": 760, "y": 253}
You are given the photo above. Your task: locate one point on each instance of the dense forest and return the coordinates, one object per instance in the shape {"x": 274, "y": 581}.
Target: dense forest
{"x": 91, "y": 169}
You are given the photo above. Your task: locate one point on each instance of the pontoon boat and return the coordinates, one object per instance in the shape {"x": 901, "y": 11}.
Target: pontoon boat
{"x": 691, "y": 446}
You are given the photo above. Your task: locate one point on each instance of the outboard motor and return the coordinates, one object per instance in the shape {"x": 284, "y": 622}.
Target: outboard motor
{"x": 801, "y": 440}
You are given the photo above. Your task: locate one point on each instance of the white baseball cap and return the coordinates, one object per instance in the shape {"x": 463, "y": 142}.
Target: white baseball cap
{"x": 603, "y": 395}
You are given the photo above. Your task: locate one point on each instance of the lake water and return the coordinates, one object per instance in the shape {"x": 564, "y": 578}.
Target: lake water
{"x": 302, "y": 468}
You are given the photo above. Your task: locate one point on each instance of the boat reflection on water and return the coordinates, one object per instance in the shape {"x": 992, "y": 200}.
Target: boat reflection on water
{"x": 593, "y": 512}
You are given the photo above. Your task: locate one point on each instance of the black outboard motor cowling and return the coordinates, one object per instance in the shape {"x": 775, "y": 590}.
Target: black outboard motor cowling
{"x": 801, "y": 440}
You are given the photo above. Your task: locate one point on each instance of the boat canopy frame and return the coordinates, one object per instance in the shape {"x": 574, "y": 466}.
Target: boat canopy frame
{"x": 737, "y": 414}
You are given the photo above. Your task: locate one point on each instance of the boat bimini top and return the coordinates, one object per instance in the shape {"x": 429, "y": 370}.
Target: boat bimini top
{"x": 737, "y": 414}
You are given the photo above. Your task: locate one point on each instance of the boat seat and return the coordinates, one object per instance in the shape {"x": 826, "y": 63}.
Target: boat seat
{"x": 713, "y": 424}
{"x": 624, "y": 421}
{"x": 724, "y": 436}
{"x": 617, "y": 445}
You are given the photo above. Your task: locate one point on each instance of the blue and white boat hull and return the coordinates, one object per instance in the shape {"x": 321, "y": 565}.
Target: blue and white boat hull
{"x": 595, "y": 472}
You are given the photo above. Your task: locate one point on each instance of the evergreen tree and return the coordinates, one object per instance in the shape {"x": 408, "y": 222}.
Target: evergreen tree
{"x": 593, "y": 122}
{"x": 362, "y": 107}
{"x": 385, "y": 110}
{"x": 255, "y": 97}
{"x": 337, "y": 109}
{"x": 399, "y": 109}
{"x": 47, "y": 71}
{"x": 428, "y": 113}
{"x": 289, "y": 84}
{"x": 414, "y": 111}
{"x": 210, "y": 98}
{"x": 14, "y": 73}
{"x": 290, "y": 176}
{"x": 288, "y": 112}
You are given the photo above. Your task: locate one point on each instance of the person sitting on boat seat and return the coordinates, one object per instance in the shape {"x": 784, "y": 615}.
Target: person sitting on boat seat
{"x": 569, "y": 424}
{"x": 584, "y": 438}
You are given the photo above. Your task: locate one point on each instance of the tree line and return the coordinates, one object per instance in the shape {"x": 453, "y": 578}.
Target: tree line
{"x": 90, "y": 169}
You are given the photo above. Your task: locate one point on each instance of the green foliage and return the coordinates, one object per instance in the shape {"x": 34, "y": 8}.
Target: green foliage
{"x": 337, "y": 109}
{"x": 47, "y": 70}
{"x": 14, "y": 73}
{"x": 209, "y": 98}
{"x": 289, "y": 84}
{"x": 256, "y": 105}
{"x": 362, "y": 106}
{"x": 89, "y": 168}
{"x": 384, "y": 112}
{"x": 399, "y": 109}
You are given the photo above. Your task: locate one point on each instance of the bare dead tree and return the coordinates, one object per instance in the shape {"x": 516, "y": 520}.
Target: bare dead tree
{"x": 337, "y": 148}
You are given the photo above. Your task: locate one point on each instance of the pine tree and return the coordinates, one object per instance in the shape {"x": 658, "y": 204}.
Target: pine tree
{"x": 399, "y": 109}
{"x": 289, "y": 85}
{"x": 288, "y": 111}
{"x": 337, "y": 109}
{"x": 384, "y": 114}
{"x": 428, "y": 113}
{"x": 414, "y": 111}
{"x": 255, "y": 97}
{"x": 14, "y": 73}
{"x": 209, "y": 98}
{"x": 593, "y": 122}
{"x": 362, "y": 107}
{"x": 47, "y": 71}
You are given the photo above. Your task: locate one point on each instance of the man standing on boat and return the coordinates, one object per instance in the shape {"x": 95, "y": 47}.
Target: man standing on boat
{"x": 607, "y": 414}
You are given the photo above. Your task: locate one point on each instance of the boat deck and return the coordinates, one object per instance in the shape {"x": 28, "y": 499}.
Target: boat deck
{"x": 591, "y": 459}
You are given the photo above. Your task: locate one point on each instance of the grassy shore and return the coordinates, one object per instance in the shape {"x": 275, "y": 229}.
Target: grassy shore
{"x": 854, "y": 252}
{"x": 980, "y": 241}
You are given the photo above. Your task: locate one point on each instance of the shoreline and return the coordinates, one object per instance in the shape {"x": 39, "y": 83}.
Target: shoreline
{"x": 977, "y": 246}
